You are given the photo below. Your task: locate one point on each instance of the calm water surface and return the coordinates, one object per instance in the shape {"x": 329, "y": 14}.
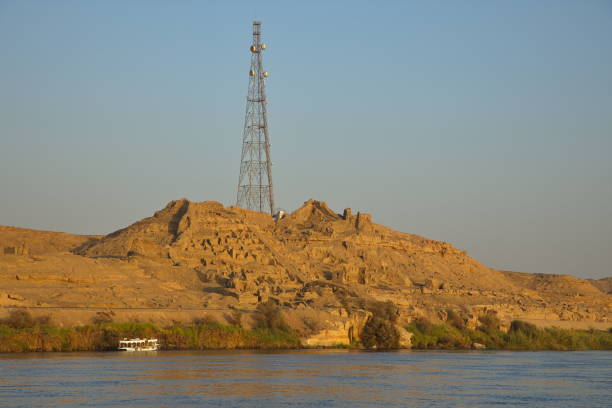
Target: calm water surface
{"x": 307, "y": 379}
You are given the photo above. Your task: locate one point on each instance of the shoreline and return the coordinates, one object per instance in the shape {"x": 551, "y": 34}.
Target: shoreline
{"x": 212, "y": 336}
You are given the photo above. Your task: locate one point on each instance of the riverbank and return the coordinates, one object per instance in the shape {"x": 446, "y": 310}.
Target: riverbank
{"x": 520, "y": 336}
{"x": 208, "y": 336}
{"x": 106, "y": 336}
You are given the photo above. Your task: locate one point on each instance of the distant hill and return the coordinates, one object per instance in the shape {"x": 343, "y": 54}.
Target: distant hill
{"x": 605, "y": 284}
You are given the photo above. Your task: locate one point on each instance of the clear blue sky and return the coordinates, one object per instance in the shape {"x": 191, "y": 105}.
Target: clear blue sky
{"x": 487, "y": 124}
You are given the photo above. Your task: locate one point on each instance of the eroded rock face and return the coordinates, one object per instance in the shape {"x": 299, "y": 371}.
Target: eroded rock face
{"x": 248, "y": 253}
{"x": 196, "y": 256}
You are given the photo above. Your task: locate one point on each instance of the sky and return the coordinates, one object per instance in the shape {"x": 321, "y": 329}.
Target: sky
{"x": 486, "y": 124}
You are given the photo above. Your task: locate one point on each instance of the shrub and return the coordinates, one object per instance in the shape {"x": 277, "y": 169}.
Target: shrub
{"x": 311, "y": 325}
{"x": 101, "y": 318}
{"x": 273, "y": 338}
{"x": 433, "y": 336}
{"x": 489, "y": 322}
{"x": 384, "y": 310}
{"x": 379, "y": 331}
{"x": 20, "y": 319}
{"x": 519, "y": 326}
{"x": 423, "y": 324}
{"x": 380, "y": 334}
{"x": 43, "y": 320}
{"x": 236, "y": 318}
{"x": 269, "y": 316}
{"x": 205, "y": 320}
{"x": 455, "y": 319}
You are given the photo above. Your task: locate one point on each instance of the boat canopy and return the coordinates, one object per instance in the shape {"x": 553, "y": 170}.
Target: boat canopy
{"x": 136, "y": 342}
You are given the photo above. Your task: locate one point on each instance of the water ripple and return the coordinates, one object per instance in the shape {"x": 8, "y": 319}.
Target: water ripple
{"x": 307, "y": 379}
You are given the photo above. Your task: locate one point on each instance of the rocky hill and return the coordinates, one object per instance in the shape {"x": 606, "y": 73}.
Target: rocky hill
{"x": 191, "y": 259}
{"x": 605, "y": 285}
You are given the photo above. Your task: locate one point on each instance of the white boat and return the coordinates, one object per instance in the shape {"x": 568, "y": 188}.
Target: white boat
{"x": 138, "y": 345}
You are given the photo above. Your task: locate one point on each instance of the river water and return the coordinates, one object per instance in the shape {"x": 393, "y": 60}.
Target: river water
{"x": 328, "y": 378}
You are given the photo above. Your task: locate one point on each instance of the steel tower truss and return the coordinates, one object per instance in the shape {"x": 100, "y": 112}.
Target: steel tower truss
{"x": 255, "y": 181}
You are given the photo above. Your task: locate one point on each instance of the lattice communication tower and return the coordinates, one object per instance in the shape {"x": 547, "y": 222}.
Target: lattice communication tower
{"x": 255, "y": 181}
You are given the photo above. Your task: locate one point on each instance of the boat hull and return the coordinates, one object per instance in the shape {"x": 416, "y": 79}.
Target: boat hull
{"x": 137, "y": 349}
{"x": 138, "y": 344}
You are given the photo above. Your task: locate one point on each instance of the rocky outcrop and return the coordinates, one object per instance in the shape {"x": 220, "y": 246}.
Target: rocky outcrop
{"x": 192, "y": 258}
{"x": 23, "y": 242}
{"x": 337, "y": 330}
{"x": 20, "y": 249}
